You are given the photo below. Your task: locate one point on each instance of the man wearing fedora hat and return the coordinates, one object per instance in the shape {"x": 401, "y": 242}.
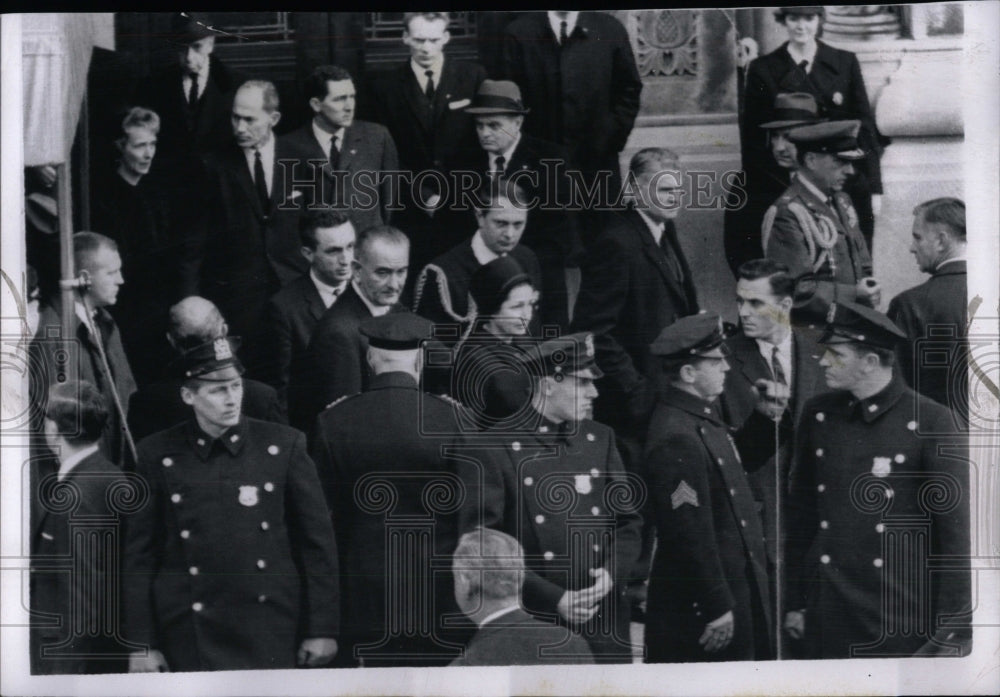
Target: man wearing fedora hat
{"x": 863, "y": 527}
{"x": 232, "y": 563}
{"x": 766, "y": 177}
{"x": 813, "y": 228}
{"x": 539, "y": 168}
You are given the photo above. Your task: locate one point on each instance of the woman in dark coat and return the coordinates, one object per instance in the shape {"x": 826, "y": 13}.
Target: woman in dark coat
{"x": 488, "y": 374}
{"x": 833, "y": 77}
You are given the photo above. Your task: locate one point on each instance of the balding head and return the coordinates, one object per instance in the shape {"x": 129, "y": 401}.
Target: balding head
{"x": 195, "y": 321}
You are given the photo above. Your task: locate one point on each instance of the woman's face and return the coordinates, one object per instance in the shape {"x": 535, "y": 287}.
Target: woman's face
{"x": 515, "y": 313}
{"x": 802, "y": 29}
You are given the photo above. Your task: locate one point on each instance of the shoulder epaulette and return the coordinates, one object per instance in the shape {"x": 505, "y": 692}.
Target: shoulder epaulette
{"x": 339, "y": 400}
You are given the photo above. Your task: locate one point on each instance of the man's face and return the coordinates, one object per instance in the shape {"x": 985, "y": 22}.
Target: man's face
{"x": 194, "y": 56}
{"x": 710, "y": 376}
{"x": 426, "y": 40}
{"x": 138, "y": 150}
{"x": 216, "y": 404}
{"x": 251, "y": 123}
{"x": 336, "y": 109}
{"x": 762, "y": 313}
{"x": 928, "y": 243}
{"x": 660, "y": 194}
{"x": 570, "y": 399}
{"x": 497, "y": 132}
{"x": 829, "y": 172}
{"x": 104, "y": 273}
{"x": 52, "y": 435}
{"x": 331, "y": 260}
{"x": 380, "y": 270}
{"x": 802, "y": 28}
{"x": 783, "y": 150}
{"x": 844, "y": 366}
{"x": 502, "y": 225}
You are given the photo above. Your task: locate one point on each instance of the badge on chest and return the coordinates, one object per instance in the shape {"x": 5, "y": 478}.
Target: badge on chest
{"x": 248, "y": 496}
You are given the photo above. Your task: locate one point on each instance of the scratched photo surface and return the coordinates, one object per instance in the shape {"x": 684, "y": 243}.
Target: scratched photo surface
{"x": 612, "y": 352}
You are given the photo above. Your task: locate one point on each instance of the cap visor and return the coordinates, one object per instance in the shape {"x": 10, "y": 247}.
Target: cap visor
{"x": 592, "y": 372}
{"x": 787, "y": 124}
{"x": 494, "y": 110}
{"x": 856, "y": 154}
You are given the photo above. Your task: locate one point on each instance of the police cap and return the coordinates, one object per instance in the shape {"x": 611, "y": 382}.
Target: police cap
{"x": 700, "y": 335}
{"x": 572, "y": 354}
{"x": 396, "y": 331}
{"x": 849, "y": 322}
{"x": 214, "y": 360}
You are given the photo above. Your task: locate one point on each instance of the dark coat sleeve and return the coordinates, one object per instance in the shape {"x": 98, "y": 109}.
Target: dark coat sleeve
{"x": 143, "y": 551}
{"x": 280, "y": 338}
{"x": 905, "y": 316}
{"x": 626, "y": 87}
{"x": 390, "y": 163}
{"x": 315, "y": 547}
{"x": 628, "y": 528}
{"x": 337, "y": 362}
{"x": 802, "y": 518}
{"x": 687, "y": 530}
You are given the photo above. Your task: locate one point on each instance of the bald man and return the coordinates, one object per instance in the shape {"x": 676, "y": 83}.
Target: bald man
{"x": 192, "y": 322}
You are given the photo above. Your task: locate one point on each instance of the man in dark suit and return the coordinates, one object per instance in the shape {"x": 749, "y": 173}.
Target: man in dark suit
{"x": 328, "y": 240}
{"x": 422, "y": 104}
{"x": 71, "y": 598}
{"x": 441, "y": 293}
{"x": 93, "y": 350}
{"x": 155, "y": 407}
{"x": 247, "y": 245}
{"x": 232, "y": 563}
{"x": 489, "y": 573}
{"x": 193, "y": 97}
{"x": 337, "y": 160}
{"x": 941, "y": 302}
{"x": 336, "y": 353}
{"x": 636, "y": 281}
{"x": 579, "y": 78}
{"x": 370, "y": 443}
{"x": 538, "y": 167}
{"x": 708, "y": 589}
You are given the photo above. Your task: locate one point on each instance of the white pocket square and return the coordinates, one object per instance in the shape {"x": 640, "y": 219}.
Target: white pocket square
{"x": 459, "y": 104}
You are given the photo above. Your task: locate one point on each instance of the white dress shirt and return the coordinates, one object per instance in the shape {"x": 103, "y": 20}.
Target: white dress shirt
{"x": 507, "y": 154}
{"x": 376, "y": 310}
{"x": 655, "y": 228}
{"x": 484, "y": 255}
{"x": 325, "y": 138}
{"x": 809, "y": 57}
{"x": 65, "y": 466}
{"x": 766, "y": 349}
{"x": 202, "y": 82}
{"x": 327, "y": 293}
{"x": 420, "y": 72}
{"x": 554, "y": 22}
{"x": 266, "y": 158}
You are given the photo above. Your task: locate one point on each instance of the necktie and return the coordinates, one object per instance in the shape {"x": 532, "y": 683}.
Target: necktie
{"x": 804, "y": 66}
{"x": 260, "y": 183}
{"x": 563, "y": 34}
{"x": 193, "y": 92}
{"x": 334, "y": 153}
{"x": 776, "y": 369}
{"x": 501, "y": 163}
{"x": 668, "y": 251}
{"x": 429, "y": 90}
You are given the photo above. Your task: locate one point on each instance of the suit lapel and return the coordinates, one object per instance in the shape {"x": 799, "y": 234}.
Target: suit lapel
{"x": 442, "y": 93}
{"x": 240, "y": 170}
{"x": 352, "y": 140}
{"x": 416, "y": 102}
{"x": 656, "y": 256}
{"x": 752, "y": 364}
{"x": 314, "y": 303}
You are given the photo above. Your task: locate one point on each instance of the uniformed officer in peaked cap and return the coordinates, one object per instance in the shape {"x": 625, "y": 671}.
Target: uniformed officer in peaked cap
{"x": 556, "y": 482}
{"x": 708, "y": 590}
{"x": 232, "y": 564}
{"x": 384, "y": 461}
{"x": 868, "y": 454}
{"x": 813, "y": 227}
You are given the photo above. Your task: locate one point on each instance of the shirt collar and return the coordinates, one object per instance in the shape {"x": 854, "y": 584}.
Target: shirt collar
{"x": 324, "y": 137}
{"x": 655, "y": 228}
{"x": 421, "y": 72}
{"x": 506, "y": 154}
{"x": 784, "y": 347}
{"x": 375, "y": 310}
{"x": 809, "y": 57}
{"x": 953, "y": 260}
{"x": 498, "y": 614}
{"x": 81, "y": 314}
{"x": 325, "y": 289}
{"x": 805, "y": 181}
{"x": 266, "y": 151}
{"x": 231, "y": 440}
{"x": 570, "y": 20}
{"x": 75, "y": 459}
{"x": 484, "y": 255}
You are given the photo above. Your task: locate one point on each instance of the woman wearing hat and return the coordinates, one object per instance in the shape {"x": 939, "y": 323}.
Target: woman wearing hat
{"x": 833, "y": 77}
{"x": 486, "y": 375}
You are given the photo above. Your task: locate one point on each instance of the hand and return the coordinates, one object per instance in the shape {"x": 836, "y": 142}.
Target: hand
{"x": 718, "y": 633}
{"x": 772, "y": 398}
{"x": 316, "y": 652}
{"x": 869, "y": 292}
{"x": 876, "y": 204}
{"x": 151, "y": 661}
{"x": 579, "y": 606}
{"x": 795, "y": 624}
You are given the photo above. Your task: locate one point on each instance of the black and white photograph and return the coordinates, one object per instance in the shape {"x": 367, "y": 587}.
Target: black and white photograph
{"x": 608, "y": 352}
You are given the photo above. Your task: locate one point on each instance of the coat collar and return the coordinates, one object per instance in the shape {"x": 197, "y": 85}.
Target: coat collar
{"x": 392, "y": 379}
{"x": 873, "y": 407}
{"x": 952, "y": 268}
{"x": 692, "y": 405}
{"x": 232, "y": 439}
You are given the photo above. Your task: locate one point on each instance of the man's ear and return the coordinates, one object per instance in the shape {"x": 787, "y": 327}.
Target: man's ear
{"x": 187, "y": 395}
{"x": 307, "y": 253}
{"x": 687, "y": 373}
{"x": 314, "y": 104}
{"x": 275, "y": 118}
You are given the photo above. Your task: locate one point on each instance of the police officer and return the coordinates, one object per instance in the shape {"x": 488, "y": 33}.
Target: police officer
{"x": 813, "y": 227}
{"x": 383, "y": 461}
{"x": 708, "y": 590}
{"x": 876, "y": 496}
{"x": 556, "y": 482}
{"x": 232, "y": 564}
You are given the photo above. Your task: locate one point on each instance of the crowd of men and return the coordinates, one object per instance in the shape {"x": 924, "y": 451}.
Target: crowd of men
{"x": 263, "y": 389}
